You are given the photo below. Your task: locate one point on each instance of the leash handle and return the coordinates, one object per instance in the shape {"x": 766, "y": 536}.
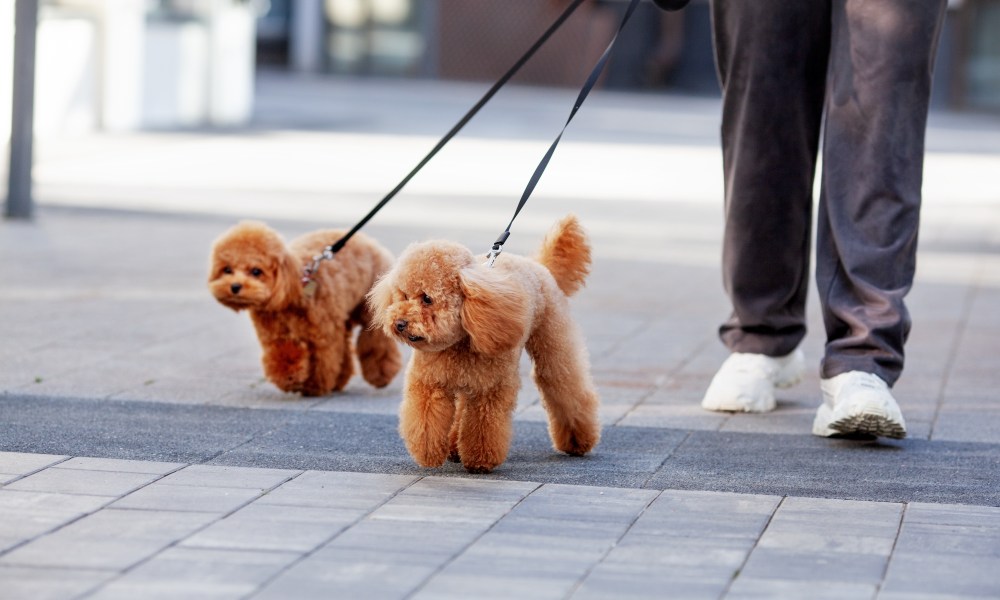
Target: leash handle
{"x": 595, "y": 74}
{"x": 339, "y": 244}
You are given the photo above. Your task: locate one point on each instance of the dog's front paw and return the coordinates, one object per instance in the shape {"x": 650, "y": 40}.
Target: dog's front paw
{"x": 481, "y": 463}
{"x": 478, "y": 469}
{"x": 577, "y": 441}
{"x": 428, "y": 457}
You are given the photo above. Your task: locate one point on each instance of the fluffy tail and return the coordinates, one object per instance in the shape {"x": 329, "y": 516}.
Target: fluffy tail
{"x": 565, "y": 252}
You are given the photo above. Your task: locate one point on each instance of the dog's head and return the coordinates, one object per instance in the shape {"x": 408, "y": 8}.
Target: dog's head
{"x": 252, "y": 268}
{"x": 438, "y": 295}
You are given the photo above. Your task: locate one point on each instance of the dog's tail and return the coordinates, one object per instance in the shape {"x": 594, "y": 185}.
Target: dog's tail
{"x": 565, "y": 252}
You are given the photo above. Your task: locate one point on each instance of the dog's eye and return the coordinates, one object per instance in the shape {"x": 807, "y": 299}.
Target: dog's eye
{"x": 227, "y": 270}
{"x": 256, "y": 272}
{"x": 428, "y": 299}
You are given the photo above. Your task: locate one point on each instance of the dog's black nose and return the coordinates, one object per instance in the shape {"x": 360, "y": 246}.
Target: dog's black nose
{"x": 401, "y": 325}
{"x": 236, "y": 287}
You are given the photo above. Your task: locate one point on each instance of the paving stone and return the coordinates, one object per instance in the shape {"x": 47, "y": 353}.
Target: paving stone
{"x": 423, "y": 540}
{"x": 620, "y": 582}
{"x": 338, "y": 490}
{"x": 953, "y": 514}
{"x": 49, "y": 584}
{"x": 505, "y": 562}
{"x": 108, "y": 539}
{"x": 159, "y": 496}
{"x": 747, "y": 587}
{"x": 792, "y": 564}
{"x": 76, "y": 481}
{"x": 22, "y": 463}
{"x": 352, "y": 574}
{"x": 704, "y": 559}
{"x": 956, "y": 575}
{"x": 583, "y": 505}
{"x": 274, "y": 527}
{"x": 453, "y": 500}
{"x": 581, "y": 545}
{"x": 25, "y": 502}
{"x": 137, "y": 524}
{"x": 231, "y": 477}
{"x": 828, "y": 526}
{"x": 680, "y": 513}
{"x": 949, "y": 539}
{"x": 182, "y": 572}
{"x": 120, "y": 466}
{"x": 29, "y": 514}
{"x": 827, "y": 540}
{"x": 57, "y": 552}
{"x": 487, "y": 583}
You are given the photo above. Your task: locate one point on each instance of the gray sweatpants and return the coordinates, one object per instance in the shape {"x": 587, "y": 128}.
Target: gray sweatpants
{"x": 861, "y": 69}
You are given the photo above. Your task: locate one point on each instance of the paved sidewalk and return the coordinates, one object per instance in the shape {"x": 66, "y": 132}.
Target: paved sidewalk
{"x": 142, "y": 454}
{"x": 126, "y": 529}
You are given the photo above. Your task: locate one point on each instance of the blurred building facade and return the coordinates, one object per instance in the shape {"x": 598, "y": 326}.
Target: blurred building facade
{"x": 120, "y": 65}
{"x": 126, "y": 64}
{"x": 478, "y": 39}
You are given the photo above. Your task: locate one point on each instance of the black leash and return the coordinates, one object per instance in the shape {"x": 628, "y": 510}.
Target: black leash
{"x": 309, "y": 272}
{"x": 589, "y": 85}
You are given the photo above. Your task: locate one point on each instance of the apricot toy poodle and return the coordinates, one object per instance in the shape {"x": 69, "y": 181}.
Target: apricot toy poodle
{"x": 306, "y": 339}
{"x": 468, "y": 324}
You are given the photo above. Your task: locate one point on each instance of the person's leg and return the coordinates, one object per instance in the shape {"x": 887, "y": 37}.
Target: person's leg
{"x": 772, "y": 62}
{"x": 882, "y": 55}
{"x": 880, "y": 81}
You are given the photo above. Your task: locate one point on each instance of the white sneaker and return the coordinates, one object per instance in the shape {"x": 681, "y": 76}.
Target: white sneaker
{"x": 746, "y": 382}
{"x": 858, "y": 403}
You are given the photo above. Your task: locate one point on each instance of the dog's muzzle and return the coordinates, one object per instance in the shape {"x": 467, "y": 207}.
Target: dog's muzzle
{"x": 401, "y": 325}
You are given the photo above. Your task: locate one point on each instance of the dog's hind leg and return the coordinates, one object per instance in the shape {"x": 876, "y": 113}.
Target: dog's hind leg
{"x": 562, "y": 373}
{"x": 425, "y": 418}
{"x": 333, "y": 365}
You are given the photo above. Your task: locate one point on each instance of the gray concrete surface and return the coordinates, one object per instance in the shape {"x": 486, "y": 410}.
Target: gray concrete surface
{"x": 142, "y": 454}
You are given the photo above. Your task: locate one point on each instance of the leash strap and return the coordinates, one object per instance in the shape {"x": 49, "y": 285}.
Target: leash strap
{"x": 307, "y": 278}
{"x": 537, "y": 175}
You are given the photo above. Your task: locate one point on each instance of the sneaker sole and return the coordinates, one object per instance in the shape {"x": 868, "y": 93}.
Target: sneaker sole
{"x": 869, "y": 424}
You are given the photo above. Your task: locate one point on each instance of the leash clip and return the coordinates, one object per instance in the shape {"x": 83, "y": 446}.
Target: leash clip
{"x": 497, "y": 248}
{"x": 309, "y": 273}
{"x": 492, "y": 256}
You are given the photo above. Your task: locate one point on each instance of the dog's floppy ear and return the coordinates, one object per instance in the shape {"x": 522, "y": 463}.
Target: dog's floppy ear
{"x": 287, "y": 286}
{"x": 494, "y": 313}
{"x": 380, "y": 297}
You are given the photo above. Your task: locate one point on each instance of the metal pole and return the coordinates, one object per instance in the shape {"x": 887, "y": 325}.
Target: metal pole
{"x": 19, "y": 201}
